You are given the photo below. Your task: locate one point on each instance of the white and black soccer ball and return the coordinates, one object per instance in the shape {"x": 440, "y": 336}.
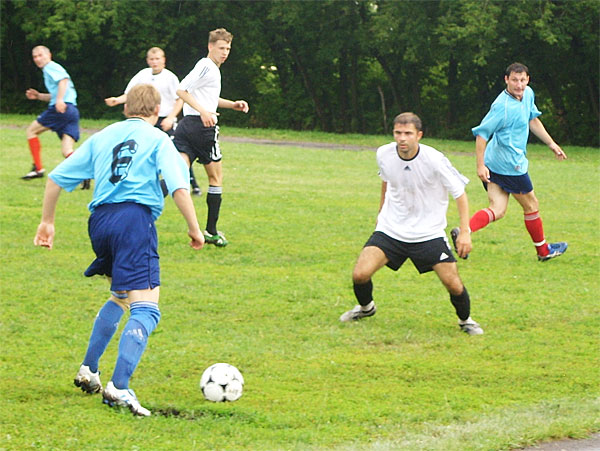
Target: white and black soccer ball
{"x": 222, "y": 382}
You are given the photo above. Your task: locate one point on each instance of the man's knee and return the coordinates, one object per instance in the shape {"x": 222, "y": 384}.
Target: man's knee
{"x": 361, "y": 274}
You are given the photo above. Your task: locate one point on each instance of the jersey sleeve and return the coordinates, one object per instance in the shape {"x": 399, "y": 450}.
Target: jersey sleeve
{"x": 75, "y": 169}
{"x": 533, "y": 109}
{"x": 171, "y": 166}
{"x": 490, "y": 123}
{"x": 452, "y": 180}
{"x": 56, "y": 72}
{"x": 135, "y": 80}
{"x": 194, "y": 79}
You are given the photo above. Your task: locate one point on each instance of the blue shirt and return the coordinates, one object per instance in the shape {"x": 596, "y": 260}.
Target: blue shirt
{"x": 125, "y": 159}
{"x": 53, "y": 74}
{"x": 507, "y": 123}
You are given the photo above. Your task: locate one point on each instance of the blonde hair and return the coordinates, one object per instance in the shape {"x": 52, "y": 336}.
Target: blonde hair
{"x": 155, "y": 50}
{"x": 219, "y": 34}
{"x": 142, "y": 101}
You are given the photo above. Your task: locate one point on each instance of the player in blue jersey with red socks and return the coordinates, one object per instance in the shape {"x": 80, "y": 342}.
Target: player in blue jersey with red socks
{"x": 62, "y": 115}
{"x": 502, "y": 165}
{"x": 126, "y": 160}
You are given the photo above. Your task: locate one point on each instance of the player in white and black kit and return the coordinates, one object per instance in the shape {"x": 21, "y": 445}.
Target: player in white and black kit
{"x": 166, "y": 83}
{"x": 416, "y": 181}
{"x": 197, "y": 136}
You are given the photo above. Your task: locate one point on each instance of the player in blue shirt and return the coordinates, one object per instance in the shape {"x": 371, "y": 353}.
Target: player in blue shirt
{"x": 502, "y": 165}
{"x": 62, "y": 115}
{"x": 126, "y": 159}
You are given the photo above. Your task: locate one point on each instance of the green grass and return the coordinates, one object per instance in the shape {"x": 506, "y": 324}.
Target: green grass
{"x": 269, "y": 303}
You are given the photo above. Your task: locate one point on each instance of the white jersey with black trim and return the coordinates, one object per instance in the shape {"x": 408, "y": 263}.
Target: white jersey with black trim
{"x": 204, "y": 83}
{"x": 416, "y": 198}
{"x": 165, "y": 82}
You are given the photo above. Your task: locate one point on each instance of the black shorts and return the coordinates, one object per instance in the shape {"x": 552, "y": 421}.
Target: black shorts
{"x": 424, "y": 255}
{"x": 197, "y": 141}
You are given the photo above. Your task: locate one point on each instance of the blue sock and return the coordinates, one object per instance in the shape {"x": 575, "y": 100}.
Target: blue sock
{"x": 105, "y": 326}
{"x": 143, "y": 320}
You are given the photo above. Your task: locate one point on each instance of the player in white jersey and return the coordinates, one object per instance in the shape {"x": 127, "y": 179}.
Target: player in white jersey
{"x": 416, "y": 181}
{"x": 166, "y": 83}
{"x": 197, "y": 137}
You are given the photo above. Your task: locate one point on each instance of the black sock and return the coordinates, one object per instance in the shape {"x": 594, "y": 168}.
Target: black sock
{"x": 213, "y": 201}
{"x": 364, "y": 292}
{"x": 462, "y": 304}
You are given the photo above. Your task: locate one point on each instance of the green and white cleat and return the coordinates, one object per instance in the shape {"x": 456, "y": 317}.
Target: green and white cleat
{"x": 218, "y": 240}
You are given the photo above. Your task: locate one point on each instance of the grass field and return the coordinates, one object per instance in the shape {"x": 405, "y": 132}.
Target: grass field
{"x": 269, "y": 304}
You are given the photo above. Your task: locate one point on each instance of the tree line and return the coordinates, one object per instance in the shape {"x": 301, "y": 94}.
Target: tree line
{"x": 345, "y": 66}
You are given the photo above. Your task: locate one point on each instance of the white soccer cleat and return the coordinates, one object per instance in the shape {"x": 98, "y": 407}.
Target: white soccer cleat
{"x": 357, "y": 313}
{"x": 470, "y": 327}
{"x": 123, "y": 397}
{"x": 86, "y": 380}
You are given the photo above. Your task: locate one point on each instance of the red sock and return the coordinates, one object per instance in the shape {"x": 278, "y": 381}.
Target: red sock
{"x": 533, "y": 223}
{"x": 481, "y": 219}
{"x": 36, "y": 152}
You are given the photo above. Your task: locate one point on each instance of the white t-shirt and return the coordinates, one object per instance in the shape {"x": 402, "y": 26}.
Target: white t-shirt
{"x": 204, "y": 83}
{"x": 416, "y": 199}
{"x": 166, "y": 83}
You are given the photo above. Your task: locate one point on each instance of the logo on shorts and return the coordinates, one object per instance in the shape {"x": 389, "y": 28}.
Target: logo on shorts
{"x": 443, "y": 256}
{"x": 122, "y": 160}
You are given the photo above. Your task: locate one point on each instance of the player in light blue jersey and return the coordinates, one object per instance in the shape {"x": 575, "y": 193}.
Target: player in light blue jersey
{"x": 502, "y": 165}
{"x": 62, "y": 115}
{"x": 126, "y": 159}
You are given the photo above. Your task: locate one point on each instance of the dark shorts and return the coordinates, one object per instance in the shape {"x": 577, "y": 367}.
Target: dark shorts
{"x": 517, "y": 184}
{"x": 424, "y": 255}
{"x": 197, "y": 141}
{"x": 66, "y": 123}
{"x": 124, "y": 239}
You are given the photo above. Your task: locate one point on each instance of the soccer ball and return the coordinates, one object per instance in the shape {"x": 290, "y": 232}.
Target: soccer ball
{"x": 222, "y": 382}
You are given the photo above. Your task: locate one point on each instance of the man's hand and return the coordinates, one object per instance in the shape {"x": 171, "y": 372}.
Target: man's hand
{"x": 463, "y": 243}
{"x": 45, "y": 235}
{"x": 167, "y": 124}
{"x": 241, "y": 105}
{"x": 560, "y": 154}
{"x": 197, "y": 239}
{"x": 483, "y": 173}
{"x": 32, "y": 94}
{"x": 60, "y": 106}
{"x": 111, "y": 101}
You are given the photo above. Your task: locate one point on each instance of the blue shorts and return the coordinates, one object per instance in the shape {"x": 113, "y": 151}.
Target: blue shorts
{"x": 124, "y": 239}
{"x": 66, "y": 123}
{"x": 517, "y": 184}
{"x": 424, "y": 255}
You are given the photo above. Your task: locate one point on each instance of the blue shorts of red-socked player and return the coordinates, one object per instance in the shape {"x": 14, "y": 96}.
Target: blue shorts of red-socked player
{"x": 124, "y": 239}
{"x": 66, "y": 123}
{"x": 516, "y": 184}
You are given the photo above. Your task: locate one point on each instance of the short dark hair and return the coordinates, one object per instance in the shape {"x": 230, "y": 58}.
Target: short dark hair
{"x": 409, "y": 118}
{"x": 517, "y": 68}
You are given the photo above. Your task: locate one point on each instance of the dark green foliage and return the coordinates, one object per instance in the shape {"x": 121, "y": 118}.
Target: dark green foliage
{"x": 332, "y": 65}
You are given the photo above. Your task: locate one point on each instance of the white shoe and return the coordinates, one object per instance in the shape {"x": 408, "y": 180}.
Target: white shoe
{"x": 124, "y": 397}
{"x": 357, "y": 313}
{"x": 86, "y": 380}
{"x": 470, "y": 327}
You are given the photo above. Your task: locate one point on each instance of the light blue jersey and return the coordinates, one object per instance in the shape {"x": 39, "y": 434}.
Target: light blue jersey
{"x": 53, "y": 74}
{"x": 125, "y": 159}
{"x": 507, "y": 123}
